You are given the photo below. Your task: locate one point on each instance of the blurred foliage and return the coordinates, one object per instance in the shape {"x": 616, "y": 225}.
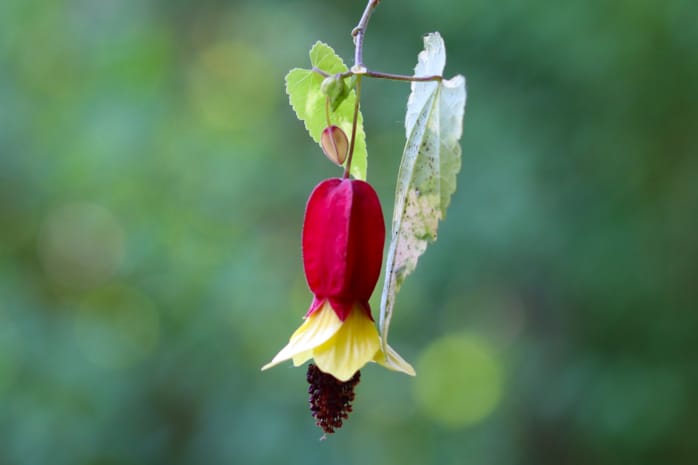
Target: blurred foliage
{"x": 152, "y": 185}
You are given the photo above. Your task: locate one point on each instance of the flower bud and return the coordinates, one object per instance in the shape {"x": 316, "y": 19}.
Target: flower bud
{"x": 336, "y": 89}
{"x": 335, "y": 144}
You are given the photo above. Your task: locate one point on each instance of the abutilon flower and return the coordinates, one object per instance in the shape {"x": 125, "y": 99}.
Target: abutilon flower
{"x": 343, "y": 237}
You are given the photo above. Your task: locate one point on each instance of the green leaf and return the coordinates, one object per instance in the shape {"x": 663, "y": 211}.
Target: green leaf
{"x": 308, "y": 101}
{"x": 427, "y": 177}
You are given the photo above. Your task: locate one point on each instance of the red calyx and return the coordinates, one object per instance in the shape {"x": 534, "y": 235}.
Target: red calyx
{"x": 343, "y": 237}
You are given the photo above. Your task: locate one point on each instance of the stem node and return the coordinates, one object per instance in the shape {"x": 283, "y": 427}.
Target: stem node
{"x": 359, "y": 69}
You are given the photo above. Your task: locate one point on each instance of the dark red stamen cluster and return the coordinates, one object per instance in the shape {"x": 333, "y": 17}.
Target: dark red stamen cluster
{"x": 330, "y": 399}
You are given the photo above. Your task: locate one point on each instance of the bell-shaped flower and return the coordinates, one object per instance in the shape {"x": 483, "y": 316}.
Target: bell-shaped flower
{"x": 343, "y": 237}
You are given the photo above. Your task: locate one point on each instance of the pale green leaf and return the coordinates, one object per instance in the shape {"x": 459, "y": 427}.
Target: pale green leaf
{"x": 427, "y": 177}
{"x": 308, "y": 101}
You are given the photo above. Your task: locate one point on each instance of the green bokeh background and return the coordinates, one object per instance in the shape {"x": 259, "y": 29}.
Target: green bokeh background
{"x": 152, "y": 185}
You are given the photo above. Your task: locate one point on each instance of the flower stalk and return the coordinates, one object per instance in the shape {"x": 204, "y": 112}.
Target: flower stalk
{"x": 347, "y": 167}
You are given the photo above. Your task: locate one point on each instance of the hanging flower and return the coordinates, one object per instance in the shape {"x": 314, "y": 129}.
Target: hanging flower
{"x": 343, "y": 236}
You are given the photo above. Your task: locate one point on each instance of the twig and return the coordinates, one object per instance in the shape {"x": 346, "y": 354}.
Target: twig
{"x": 358, "y": 32}
{"x": 402, "y": 77}
{"x": 359, "y": 68}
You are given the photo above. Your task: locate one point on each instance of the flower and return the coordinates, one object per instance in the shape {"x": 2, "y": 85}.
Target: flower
{"x": 343, "y": 236}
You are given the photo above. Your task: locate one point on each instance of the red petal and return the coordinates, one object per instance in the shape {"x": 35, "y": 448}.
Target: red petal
{"x": 343, "y": 236}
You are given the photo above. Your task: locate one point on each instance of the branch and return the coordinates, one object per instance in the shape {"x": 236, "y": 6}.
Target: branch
{"x": 358, "y": 32}
{"x": 402, "y": 77}
{"x": 359, "y": 68}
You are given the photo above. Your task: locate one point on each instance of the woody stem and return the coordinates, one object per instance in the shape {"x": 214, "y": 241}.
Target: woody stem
{"x": 359, "y": 32}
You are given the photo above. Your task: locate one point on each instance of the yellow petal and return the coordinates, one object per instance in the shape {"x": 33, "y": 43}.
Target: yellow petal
{"x": 317, "y": 329}
{"x": 393, "y": 361}
{"x": 300, "y": 359}
{"x": 354, "y": 345}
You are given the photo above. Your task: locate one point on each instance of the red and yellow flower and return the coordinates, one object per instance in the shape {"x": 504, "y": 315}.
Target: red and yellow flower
{"x": 343, "y": 237}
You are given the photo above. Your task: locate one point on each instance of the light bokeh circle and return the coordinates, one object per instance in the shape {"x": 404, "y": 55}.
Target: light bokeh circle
{"x": 459, "y": 380}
